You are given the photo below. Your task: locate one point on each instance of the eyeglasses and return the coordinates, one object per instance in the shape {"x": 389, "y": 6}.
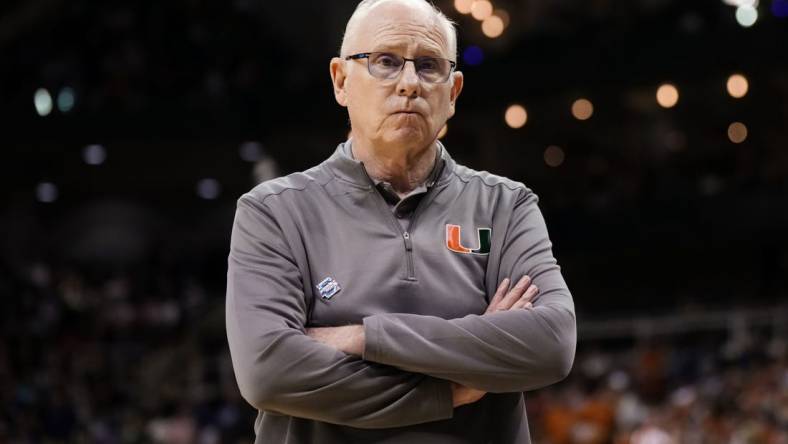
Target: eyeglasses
{"x": 386, "y": 66}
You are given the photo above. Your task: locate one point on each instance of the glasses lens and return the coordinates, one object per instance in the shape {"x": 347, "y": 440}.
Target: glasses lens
{"x": 433, "y": 69}
{"x": 384, "y": 65}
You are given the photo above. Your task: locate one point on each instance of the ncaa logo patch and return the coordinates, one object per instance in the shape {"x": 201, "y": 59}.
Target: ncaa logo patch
{"x": 328, "y": 287}
{"x": 453, "y": 243}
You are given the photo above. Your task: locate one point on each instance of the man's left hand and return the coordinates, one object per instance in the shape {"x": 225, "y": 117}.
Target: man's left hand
{"x": 347, "y": 338}
{"x": 520, "y": 296}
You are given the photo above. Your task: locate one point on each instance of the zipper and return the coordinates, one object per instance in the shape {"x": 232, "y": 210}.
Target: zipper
{"x": 409, "y": 254}
{"x": 428, "y": 196}
{"x": 405, "y": 234}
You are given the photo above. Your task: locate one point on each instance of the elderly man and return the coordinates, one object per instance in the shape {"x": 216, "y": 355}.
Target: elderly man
{"x": 369, "y": 298}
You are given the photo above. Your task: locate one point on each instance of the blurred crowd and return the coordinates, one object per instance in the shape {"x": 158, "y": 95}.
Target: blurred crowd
{"x": 669, "y": 393}
{"x": 110, "y": 358}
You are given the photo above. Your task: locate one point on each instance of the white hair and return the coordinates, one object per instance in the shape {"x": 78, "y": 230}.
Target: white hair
{"x": 449, "y": 27}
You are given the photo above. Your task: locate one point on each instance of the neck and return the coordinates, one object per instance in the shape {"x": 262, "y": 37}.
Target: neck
{"x": 404, "y": 167}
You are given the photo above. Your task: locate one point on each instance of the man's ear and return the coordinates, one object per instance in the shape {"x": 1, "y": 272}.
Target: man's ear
{"x": 338, "y": 77}
{"x": 456, "y": 89}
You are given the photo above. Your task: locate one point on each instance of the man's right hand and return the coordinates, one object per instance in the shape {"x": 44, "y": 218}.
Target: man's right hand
{"x": 462, "y": 395}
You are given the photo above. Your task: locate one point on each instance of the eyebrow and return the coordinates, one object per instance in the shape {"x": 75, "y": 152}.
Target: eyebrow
{"x": 428, "y": 51}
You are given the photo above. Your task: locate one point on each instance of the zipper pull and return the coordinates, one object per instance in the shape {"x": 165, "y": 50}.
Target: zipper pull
{"x": 408, "y": 244}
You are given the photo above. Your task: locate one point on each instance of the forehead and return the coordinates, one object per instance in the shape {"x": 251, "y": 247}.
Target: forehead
{"x": 403, "y": 26}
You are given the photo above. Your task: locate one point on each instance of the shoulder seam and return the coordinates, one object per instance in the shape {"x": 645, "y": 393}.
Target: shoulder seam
{"x": 467, "y": 179}
{"x": 309, "y": 181}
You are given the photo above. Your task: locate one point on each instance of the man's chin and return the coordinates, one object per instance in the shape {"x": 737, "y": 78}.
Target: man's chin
{"x": 406, "y": 135}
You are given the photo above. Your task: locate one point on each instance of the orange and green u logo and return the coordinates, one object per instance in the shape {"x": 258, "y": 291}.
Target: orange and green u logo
{"x": 453, "y": 240}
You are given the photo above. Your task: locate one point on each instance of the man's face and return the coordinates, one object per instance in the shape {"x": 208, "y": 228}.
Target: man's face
{"x": 404, "y": 110}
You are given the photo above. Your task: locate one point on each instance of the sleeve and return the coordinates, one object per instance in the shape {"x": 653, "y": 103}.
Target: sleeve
{"x": 279, "y": 368}
{"x": 508, "y": 351}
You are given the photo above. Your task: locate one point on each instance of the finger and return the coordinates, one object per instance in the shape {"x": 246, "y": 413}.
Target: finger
{"x": 499, "y": 293}
{"x": 515, "y": 293}
{"x": 529, "y": 296}
{"x": 534, "y": 292}
{"x": 524, "y": 302}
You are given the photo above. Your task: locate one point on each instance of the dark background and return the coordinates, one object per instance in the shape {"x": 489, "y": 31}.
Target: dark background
{"x": 671, "y": 237}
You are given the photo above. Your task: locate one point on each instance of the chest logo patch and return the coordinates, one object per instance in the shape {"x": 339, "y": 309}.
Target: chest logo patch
{"x": 328, "y": 287}
{"x": 453, "y": 235}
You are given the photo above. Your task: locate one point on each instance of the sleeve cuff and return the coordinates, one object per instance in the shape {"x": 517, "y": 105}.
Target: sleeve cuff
{"x": 444, "y": 398}
{"x": 441, "y": 402}
{"x": 371, "y": 338}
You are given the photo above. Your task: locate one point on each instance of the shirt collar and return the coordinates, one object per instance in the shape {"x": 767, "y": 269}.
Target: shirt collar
{"x": 346, "y": 167}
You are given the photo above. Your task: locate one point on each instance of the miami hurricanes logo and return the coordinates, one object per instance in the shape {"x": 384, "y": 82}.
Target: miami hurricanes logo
{"x": 453, "y": 240}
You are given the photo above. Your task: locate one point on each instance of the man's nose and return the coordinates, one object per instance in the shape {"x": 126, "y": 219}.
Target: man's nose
{"x": 409, "y": 82}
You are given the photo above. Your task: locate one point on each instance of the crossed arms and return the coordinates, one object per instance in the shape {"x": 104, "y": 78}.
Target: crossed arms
{"x": 415, "y": 368}
{"x": 351, "y": 339}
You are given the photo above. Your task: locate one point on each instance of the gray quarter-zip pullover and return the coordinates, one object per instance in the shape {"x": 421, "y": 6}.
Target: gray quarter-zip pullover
{"x": 321, "y": 248}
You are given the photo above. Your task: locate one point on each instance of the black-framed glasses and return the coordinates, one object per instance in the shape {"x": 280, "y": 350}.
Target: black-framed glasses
{"x": 385, "y": 65}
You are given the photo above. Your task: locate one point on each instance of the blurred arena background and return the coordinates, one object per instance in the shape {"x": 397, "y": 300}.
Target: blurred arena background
{"x": 654, "y": 132}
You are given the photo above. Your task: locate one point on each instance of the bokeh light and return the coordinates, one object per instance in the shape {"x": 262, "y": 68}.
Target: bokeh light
{"x": 252, "y": 151}
{"x": 43, "y": 102}
{"x": 738, "y": 3}
{"x": 780, "y": 8}
{"x": 46, "y": 192}
{"x": 473, "y": 55}
{"x": 492, "y": 26}
{"x": 516, "y": 116}
{"x": 675, "y": 140}
{"x": 65, "y": 100}
{"x": 746, "y": 15}
{"x": 94, "y": 154}
{"x": 209, "y": 188}
{"x": 738, "y": 86}
{"x": 554, "y": 156}
{"x": 463, "y": 6}
{"x": 481, "y": 9}
{"x": 667, "y": 95}
{"x": 582, "y": 109}
{"x": 737, "y": 132}
{"x": 504, "y": 15}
